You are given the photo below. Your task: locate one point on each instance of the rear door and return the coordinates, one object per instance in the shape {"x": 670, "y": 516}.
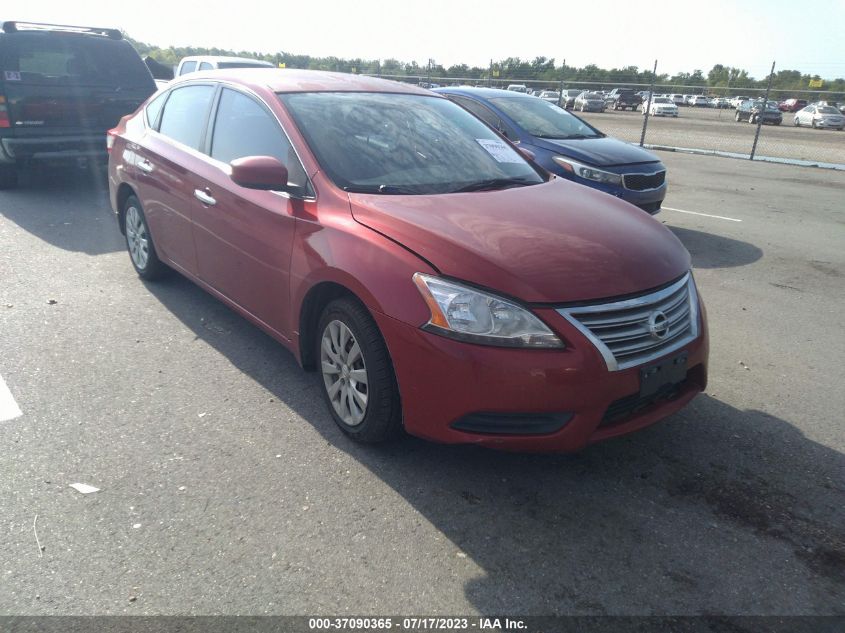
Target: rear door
{"x": 165, "y": 165}
{"x": 68, "y": 83}
{"x": 244, "y": 236}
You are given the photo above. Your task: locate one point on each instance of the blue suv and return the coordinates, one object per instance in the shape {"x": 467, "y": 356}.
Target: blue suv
{"x": 567, "y": 146}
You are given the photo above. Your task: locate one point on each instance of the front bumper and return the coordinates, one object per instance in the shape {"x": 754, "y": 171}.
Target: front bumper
{"x": 445, "y": 383}
{"x": 17, "y": 149}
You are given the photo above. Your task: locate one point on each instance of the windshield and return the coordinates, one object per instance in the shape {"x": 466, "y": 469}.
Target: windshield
{"x": 543, "y": 119}
{"x": 592, "y": 96}
{"x": 662, "y": 100}
{"x": 404, "y": 144}
{"x": 827, "y": 110}
{"x": 46, "y": 58}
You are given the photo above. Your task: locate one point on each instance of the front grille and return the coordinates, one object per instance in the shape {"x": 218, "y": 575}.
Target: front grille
{"x": 641, "y": 182}
{"x": 635, "y": 331}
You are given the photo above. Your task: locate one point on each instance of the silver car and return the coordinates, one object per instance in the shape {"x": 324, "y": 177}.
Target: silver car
{"x": 819, "y": 116}
{"x": 552, "y": 96}
{"x": 590, "y": 102}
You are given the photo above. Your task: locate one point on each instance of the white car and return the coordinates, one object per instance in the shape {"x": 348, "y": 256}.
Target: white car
{"x": 738, "y": 101}
{"x": 677, "y": 99}
{"x": 215, "y": 62}
{"x": 518, "y": 88}
{"x": 820, "y": 116}
{"x": 662, "y": 106}
{"x": 699, "y": 101}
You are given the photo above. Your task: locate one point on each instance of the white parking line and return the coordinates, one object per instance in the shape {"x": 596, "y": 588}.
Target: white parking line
{"x": 706, "y": 215}
{"x": 9, "y": 409}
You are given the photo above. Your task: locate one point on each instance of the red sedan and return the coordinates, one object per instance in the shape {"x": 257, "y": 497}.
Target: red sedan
{"x": 438, "y": 281}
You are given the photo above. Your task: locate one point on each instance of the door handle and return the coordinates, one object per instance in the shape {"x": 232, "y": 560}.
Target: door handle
{"x": 205, "y": 198}
{"x": 146, "y": 166}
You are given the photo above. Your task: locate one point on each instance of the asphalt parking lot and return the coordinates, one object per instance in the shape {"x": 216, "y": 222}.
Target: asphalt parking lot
{"x": 716, "y": 129}
{"x": 225, "y": 486}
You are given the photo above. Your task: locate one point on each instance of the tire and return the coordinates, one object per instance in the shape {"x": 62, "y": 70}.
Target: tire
{"x": 796, "y": 122}
{"x": 370, "y": 411}
{"x": 8, "y": 177}
{"x": 139, "y": 242}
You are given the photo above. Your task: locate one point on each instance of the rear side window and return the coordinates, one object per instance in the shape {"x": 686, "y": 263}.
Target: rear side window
{"x": 206, "y": 66}
{"x": 188, "y": 67}
{"x": 69, "y": 59}
{"x": 185, "y": 114}
{"x": 245, "y": 128}
{"x": 153, "y": 109}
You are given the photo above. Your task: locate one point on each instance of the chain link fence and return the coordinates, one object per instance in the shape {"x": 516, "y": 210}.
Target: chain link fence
{"x": 713, "y": 126}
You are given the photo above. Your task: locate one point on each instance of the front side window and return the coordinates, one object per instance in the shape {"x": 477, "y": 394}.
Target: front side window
{"x": 185, "y": 114}
{"x": 243, "y": 127}
{"x": 188, "y": 67}
{"x": 404, "y": 144}
{"x": 543, "y": 119}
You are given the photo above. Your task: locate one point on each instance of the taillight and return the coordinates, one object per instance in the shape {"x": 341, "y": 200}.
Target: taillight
{"x": 4, "y": 113}
{"x": 110, "y": 136}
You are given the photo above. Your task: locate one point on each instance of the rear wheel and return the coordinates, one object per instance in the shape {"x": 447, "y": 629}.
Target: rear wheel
{"x": 139, "y": 242}
{"x": 8, "y": 177}
{"x": 358, "y": 380}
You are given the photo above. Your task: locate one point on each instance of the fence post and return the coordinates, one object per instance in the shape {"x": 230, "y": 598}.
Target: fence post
{"x": 490, "y": 74}
{"x": 762, "y": 112}
{"x": 647, "y": 105}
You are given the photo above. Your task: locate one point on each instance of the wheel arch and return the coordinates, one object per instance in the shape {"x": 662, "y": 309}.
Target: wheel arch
{"x": 124, "y": 191}
{"x": 313, "y": 304}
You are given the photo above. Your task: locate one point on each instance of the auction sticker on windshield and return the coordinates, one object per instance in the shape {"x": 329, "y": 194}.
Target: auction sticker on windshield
{"x": 500, "y": 150}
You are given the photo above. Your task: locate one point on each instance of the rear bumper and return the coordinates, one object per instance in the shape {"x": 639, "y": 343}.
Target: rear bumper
{"x": 546, "y": 400}
{"x": 14, "y": 149}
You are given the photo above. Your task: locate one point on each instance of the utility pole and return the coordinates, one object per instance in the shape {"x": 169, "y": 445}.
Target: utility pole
{"x": 560, "y": 89}
{"x": 762, "y": 112}
{"x": 647, "y": 105}
{"x": 490, "y": 74}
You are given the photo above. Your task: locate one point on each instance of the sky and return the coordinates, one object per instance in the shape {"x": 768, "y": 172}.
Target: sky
{"x": 682, "y": 36}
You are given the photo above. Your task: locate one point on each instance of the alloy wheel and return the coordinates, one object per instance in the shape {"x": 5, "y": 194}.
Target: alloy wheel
{"x": 137, "y": 238}
{"x": 344, "y": 373}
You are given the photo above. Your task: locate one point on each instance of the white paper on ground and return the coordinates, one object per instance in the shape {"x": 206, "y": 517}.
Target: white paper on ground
{"x": 84, "y": 488}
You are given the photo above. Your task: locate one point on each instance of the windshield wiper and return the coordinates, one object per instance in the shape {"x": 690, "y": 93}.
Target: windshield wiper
{"x": 570, "y": 137}
{"x": 493, "y": 183}
{"x": 382, "y": 189}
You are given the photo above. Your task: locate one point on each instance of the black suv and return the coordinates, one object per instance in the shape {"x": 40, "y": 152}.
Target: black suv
{"x": 751, "y": 111}
{"x": 61, "y": 89}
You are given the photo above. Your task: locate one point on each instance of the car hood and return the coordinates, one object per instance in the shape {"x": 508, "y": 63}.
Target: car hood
{"x": 601, "y": 152}
{"x": 555, "y": 242}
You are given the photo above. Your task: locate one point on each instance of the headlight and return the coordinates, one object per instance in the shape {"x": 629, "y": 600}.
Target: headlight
{"x": 589, "y": 173}
{"x": 470, "y": 315}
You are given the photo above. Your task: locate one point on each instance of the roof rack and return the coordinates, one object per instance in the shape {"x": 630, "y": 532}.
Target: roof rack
{"x": 13, "y": 26}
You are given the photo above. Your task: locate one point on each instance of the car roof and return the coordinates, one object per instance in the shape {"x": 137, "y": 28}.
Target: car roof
{"x": 295, "y": 80}
{"x": 224, "y": 58}
{"x": 484, "y": 93}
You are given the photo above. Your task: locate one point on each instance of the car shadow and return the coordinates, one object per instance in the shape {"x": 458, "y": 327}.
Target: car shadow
{"x": 715, "y": 251}
{"x": 717, "y": 510}
{"x": 65, "y": 205}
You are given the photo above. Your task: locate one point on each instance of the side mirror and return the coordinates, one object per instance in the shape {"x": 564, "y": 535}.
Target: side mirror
{"x": 527, "y": 153}
{"x": 259, "y": 172}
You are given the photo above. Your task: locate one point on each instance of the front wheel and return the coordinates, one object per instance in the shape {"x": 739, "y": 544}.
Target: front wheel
{"x": 358, "y": 380}
{"x": 139, "y": 242}
{"x": 796, "y": 122}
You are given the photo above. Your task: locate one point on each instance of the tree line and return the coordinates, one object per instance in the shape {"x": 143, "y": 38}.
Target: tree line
{"x": 718, "y": 79}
